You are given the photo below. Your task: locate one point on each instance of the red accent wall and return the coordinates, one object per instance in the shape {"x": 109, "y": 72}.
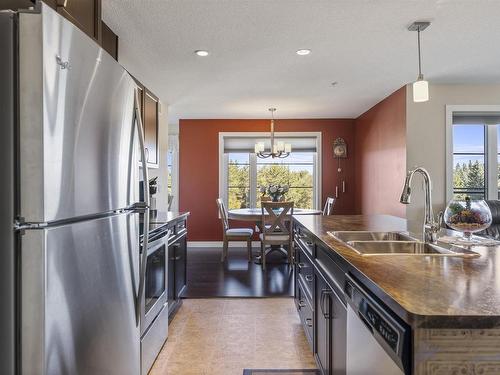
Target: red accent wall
{"x": 199, "y": 166}
{"x": 380, "y": 161}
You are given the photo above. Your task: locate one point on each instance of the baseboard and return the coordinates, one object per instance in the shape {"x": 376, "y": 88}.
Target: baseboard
{"x": 219, "y": 244}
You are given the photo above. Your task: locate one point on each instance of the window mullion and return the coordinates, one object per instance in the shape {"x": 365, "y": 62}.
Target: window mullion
{"x": 492, "y": 162}
{"x": 253, "y": 180}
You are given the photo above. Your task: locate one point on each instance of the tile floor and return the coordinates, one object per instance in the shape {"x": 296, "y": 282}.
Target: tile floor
{"x": 224, "y": 336}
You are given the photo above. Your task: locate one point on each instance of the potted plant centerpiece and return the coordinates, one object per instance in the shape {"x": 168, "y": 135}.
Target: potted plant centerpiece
{"x": 275, "y": 191}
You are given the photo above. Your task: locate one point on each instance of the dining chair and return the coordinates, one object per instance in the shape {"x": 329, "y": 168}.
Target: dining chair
{"x": 276, "y": 227}
{"x": 330, "y": 202}
{"x": 233, "y": 234}
{"x": 170, "y": 199}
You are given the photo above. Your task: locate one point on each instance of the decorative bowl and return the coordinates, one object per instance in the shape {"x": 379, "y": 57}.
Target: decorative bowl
{"x": 467, "y": 216}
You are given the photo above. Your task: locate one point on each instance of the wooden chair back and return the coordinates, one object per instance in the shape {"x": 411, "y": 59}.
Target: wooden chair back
{"x": 329, "y": 204}
{"x": 275, "y": 221}
{"x": 223, "y": 214}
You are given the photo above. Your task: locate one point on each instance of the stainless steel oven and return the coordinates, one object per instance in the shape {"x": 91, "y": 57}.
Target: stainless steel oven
{"x": 155, "y": 286}
{"x": 154, "y": 304}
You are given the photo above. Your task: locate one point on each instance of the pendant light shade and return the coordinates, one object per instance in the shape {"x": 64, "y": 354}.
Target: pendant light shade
{"x": 420, "y": 86}
{"x": 420, "y": 91}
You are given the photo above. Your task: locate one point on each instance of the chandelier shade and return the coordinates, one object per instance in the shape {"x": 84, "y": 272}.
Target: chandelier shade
{"x": 278, "y": 149}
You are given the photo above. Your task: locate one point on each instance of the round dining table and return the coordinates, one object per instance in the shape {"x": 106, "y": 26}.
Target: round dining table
{"x": 255, "y": 214}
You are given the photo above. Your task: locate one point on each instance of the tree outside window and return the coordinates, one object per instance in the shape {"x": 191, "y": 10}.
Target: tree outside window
{"x": 469, "y": 177}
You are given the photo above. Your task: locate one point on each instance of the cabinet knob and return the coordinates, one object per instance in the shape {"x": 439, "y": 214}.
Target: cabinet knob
{"x": 309, "y": 322}
{"x": 309, "y": 278}
{"x": 302, "y": 303}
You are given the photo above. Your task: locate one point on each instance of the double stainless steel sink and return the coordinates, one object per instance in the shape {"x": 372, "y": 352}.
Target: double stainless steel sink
{"x": 396, "y": 243}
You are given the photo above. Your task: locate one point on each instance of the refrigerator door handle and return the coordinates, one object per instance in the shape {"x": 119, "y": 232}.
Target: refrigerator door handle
{"x": 145, "y": 178}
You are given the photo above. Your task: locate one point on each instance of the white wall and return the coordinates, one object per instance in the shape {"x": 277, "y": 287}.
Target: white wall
{"x": 162, "y": 172}
{"x": 425, "y": 137}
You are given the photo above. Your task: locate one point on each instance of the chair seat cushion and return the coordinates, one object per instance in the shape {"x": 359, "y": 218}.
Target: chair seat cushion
{"x": 275, "y": 237}
{"x": 239, "y": 232}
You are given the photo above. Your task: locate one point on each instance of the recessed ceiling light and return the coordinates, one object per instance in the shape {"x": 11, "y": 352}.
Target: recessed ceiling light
{"x": 303, "y": 52}
{"x": 201, "y": 52}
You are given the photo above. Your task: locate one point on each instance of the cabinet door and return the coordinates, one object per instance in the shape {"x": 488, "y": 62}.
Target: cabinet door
{"x": 171, "y": 276}
{"x": 151, "y": 107}
{"x": 109, "y": 41}
{"x": 338, "y": 334}
{"x": 180, "y": 267}
{"x": 86, "y": 14}
{"x": 322, "y": 330}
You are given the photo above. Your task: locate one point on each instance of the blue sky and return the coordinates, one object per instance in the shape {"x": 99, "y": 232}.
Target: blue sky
{"x": 468, "y": 138}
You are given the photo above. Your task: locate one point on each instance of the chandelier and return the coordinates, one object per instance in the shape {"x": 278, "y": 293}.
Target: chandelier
{"x": 278, "y": 149}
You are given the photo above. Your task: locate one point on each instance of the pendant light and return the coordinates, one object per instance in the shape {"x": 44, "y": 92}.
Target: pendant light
{"x": 420, "y": 86}
{"x": 278, "y": 149}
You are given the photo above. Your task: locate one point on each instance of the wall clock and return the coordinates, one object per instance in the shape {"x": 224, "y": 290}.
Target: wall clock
{"x": 339, "y": 149}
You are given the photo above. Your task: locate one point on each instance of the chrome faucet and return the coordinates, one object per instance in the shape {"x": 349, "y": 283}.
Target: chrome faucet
{"x": 431, "y": 227}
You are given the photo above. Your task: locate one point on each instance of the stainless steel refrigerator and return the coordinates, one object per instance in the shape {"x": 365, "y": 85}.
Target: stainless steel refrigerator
{"x": 70, "y": 148}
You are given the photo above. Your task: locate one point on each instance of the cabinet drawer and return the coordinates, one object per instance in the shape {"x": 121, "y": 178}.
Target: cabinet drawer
{"x": 304, "y": 239}
{"x": 331, "y": 270}
{"x": 305, "y": 273}
{"x": 306, "y": 314}
{"x": 180, "y": 227}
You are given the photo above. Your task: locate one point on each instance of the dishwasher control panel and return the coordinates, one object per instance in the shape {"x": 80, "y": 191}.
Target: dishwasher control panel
{"x": 391, "y": 333}
{"x": 384, "y": 328}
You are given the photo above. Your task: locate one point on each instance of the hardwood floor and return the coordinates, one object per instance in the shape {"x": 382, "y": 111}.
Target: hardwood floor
{"x": 225, "y": 336}
{"x": 208, "y": 277}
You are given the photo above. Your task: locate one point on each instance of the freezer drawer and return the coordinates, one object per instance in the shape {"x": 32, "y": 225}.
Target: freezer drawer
{"x": 79, "y": 292}
{"x": 76, "y": 131}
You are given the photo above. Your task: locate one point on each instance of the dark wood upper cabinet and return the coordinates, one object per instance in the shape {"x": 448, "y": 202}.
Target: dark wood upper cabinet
{"x": 16, "y": 4}
{"x": 109, "y": 40}
{"x": 150, "y": 119}
{"x": 86, "y": 14}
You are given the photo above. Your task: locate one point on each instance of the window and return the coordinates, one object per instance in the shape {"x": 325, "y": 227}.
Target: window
{"x": 473, "y": 163}
{"x": 170, "y": 156}
{"x": 296, "y": 171}
{"x": 242, "y": 173}
{"x": 469, "y": 161}
{"x": 173, "y": 170}
{"x": 238, "y": 185}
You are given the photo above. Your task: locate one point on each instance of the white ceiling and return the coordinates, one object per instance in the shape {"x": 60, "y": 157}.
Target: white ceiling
{"x": 362, "y": 44}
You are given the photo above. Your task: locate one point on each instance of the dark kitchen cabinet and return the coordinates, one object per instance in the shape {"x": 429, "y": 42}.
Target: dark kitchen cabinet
{"x": 180, "y": 267}
{"x": 177, "y": 254}
{"x": 150, "y": 107}
{"x": 86, "y": 14}
{"x": 330, "y": 329}
{"x": 151, "y": 114}
{"x": 109, "y": 40}
{"x": 320, "y": 301}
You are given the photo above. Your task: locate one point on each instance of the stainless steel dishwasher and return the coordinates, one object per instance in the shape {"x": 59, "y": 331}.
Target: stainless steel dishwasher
{"x": 377, "y": 343}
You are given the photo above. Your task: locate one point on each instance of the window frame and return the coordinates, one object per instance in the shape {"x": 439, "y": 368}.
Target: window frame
{"x": 224, "y": 159}
{"x": 490, "y": 152}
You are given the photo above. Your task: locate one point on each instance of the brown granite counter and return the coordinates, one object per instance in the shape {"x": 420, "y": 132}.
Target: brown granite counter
{"x": 163, "y": 217}
{"x": 425, "y": 291}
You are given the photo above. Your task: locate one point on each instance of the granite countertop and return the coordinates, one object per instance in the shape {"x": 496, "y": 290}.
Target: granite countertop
{"x": 425, "y": 291}
{"x": 161, "y": 217}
